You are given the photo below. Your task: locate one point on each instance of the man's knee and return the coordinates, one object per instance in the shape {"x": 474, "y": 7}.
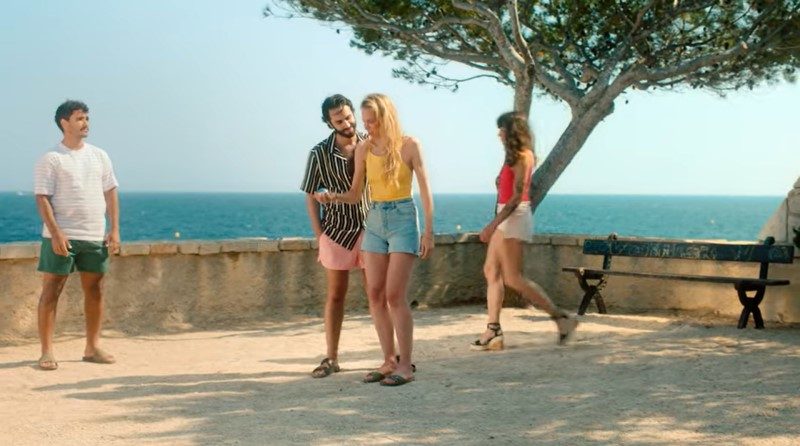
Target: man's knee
{"x": 52, "y": 285}
{"x": 336, "y": 297}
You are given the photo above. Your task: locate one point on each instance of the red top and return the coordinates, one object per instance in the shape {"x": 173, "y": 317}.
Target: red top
{"x": 505, "y": 185}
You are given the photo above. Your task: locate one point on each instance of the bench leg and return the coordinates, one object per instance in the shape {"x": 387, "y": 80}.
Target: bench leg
{"x": 750, "y": 305}
{"x": 587, "y": 298}
{"x": 590, "y": 292}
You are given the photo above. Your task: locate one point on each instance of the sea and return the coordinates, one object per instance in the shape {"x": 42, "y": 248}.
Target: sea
{"x": 209, "y": 216}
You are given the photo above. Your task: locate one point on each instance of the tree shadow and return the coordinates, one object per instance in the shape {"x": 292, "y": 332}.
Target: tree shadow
{"x": 655, "y": 386}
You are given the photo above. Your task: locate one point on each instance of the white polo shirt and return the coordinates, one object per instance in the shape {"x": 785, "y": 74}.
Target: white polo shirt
{"x": 75, "y": 181}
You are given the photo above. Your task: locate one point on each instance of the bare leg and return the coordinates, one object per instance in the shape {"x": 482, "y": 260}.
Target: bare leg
{"x": 511, "y": 261}
{"x": 334, "y": 310}
{"x": 495, "y": 291}
{"x": 397, "y": 278}
{"x": 93, "y": 309}
{"x": 375, "y": 268}
{"x": 52, "y": 286}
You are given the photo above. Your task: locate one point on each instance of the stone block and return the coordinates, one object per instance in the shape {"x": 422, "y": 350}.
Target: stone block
{"x": 134, "y": 249}
{"x": 540, "y": 240}
{"x": 295, "y": 244}
{"x": 20, "y": 250}
{"x": 189, "y": 247}
{"x": 268, "y": 245}
{"x": 239, "y": 246}
{"x": 564, "y": 241}
{"x": 207, "y": 248}
{"x": 444, "y": 239}
{"x": 163, "y": 248}
{"x": 467, "y": 237}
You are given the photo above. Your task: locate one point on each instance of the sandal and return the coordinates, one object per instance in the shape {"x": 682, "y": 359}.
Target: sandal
{"x": 566, "y": 327}
{"x": 374, "y": 376}
{"x": 493, "y": 343}
{"x": 100, "y": 357}
{"x": 325, "y": 368}
{"x": 396, "y": 380}
{"x": 48, "y": 362}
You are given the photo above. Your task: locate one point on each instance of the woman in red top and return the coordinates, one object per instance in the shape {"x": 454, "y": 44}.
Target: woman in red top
{"x": 513, "y": 224}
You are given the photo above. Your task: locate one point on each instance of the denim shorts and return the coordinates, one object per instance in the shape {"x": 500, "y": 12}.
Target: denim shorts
{"x": 392, "y": 226}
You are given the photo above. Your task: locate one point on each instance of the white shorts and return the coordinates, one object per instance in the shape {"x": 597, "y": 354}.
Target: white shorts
{"x": 519, "y": 224}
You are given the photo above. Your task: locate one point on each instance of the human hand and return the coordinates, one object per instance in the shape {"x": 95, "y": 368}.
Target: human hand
{"x": 61, "y": 245}
{"x": 426, "y": 245}
{"x": 487, "y": 232}
{"x": 323, "y": 196}
{"x": 112, "y": 241}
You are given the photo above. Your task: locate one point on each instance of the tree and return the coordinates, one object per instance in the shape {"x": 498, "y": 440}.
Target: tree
{"x": 586, "y": 53}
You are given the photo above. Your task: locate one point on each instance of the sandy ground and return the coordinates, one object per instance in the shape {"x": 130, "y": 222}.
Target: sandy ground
{"x": 634, "y": 380}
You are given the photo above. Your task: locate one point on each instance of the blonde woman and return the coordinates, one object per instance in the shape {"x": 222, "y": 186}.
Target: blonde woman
{"x": 513, "y": 224}
{"x": 387, "y": 161}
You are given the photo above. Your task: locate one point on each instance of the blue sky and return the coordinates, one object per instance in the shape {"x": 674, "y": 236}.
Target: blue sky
{"x": 206, "y": 95}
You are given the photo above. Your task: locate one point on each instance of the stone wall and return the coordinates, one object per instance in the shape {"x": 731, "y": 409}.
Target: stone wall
{"x": 163, "y": 286}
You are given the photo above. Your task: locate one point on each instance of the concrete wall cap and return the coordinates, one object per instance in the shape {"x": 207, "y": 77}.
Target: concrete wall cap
{"x": 26, "y": 250}
{"x": 134, "y": 249}
{"x": 163, "y": 248}
{"x": 295, "y": 244}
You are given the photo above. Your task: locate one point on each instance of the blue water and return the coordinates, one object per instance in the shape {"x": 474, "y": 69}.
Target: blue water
{"x": 158, "y": 216}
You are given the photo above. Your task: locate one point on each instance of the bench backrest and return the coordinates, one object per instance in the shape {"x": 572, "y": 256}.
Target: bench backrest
{"x": 691, "y": 251}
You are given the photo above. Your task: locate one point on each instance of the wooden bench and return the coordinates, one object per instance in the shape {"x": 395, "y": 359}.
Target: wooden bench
{"x": 593, "y": 280}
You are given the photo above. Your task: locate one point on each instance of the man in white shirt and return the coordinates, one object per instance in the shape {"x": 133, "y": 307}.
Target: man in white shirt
{"x": 75, "y": 189}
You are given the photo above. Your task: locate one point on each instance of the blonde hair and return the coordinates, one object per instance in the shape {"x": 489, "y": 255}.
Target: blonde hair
{"x": 385, "y": 111}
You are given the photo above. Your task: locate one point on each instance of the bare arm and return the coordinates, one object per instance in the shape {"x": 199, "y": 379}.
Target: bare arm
{"x": 353, "y": 195}
{"x": 418, "y": 167}
{"x": 112, "y": 211}
{"x": 60, "y": 243}
{"x": 312, "y": 207}
{"x": 521, "y": 169}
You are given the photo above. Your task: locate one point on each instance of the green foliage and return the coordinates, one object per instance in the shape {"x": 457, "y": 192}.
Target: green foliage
{"x": 573, "y": 40}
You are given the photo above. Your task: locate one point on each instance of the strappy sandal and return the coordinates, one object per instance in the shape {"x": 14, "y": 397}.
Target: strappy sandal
{"x": 566, "y": 327}
{"x": 48, "y": 362}
{"x": 378, "y": 376}
{"x": 396, "y": 380}
{"x": 493, "y": 343}
{"x": 325, "y": 368}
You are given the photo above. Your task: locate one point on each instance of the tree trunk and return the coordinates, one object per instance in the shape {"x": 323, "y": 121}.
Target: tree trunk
{"x": 584, "y": 120}
{"x": 523, "y": 94}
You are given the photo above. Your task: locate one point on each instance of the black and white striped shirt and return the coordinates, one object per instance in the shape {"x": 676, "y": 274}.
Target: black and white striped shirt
{"x": 328, "y": 167}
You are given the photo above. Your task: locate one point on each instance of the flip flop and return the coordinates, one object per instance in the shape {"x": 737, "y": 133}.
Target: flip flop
{"x": 48, "y": 362}
{"x": 100, "y": 357}
{"x": 325, "y": 368}
{"x": 396, "y": 380}
{"x": 374, "y": 376}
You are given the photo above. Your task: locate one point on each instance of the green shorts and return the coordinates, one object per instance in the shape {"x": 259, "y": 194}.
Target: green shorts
{"x": 84, "y": 256}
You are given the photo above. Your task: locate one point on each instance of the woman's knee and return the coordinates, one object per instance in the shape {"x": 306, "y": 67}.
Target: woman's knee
{"x": 515, "y": 281}
{"x": 491, "y": 271}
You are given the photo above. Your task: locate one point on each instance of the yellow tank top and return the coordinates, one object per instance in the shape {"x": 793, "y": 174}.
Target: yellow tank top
{"x": 382, "y": 190}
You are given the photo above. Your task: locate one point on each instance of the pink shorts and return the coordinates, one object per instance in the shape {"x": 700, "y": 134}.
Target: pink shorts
{"x": 336, "y": 257}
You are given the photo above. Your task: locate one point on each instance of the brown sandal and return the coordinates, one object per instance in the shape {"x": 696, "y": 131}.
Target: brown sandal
{"x": 325, "y": 368}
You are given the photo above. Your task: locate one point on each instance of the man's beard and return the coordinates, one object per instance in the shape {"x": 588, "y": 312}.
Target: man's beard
{"x": 348, "y": 133}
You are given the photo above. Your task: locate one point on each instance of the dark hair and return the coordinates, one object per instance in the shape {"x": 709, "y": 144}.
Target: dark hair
{"x": 65, "y": 110}
{"x": 331, "y": 103}
{"x": 518, "y": 135}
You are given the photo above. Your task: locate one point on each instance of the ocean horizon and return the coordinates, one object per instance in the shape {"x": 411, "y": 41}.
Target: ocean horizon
{"x": 230, "y": 215}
